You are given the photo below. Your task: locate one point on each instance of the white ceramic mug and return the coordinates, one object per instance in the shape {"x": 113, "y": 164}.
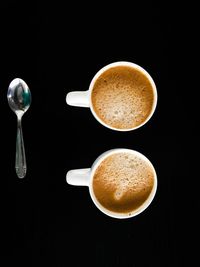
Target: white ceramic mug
{"x": 84, "y": 99}
{"x": 84, "y": 177}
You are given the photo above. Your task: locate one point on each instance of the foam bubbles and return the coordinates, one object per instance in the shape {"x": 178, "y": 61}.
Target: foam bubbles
{"x": 125, "y": 99}
{"x": 118, "y": 194}
{"x": 123, "y": 176}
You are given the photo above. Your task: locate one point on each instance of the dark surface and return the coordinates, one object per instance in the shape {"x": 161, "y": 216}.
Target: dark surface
{"x": 55, "y": 49}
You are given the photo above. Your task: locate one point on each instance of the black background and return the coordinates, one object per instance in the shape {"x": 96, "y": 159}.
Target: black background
{"x": 57, "y": 48}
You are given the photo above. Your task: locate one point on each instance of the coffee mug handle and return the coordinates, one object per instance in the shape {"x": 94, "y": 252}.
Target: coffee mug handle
{"x": 78, "y": 99}
{"x": 79, "y": 177}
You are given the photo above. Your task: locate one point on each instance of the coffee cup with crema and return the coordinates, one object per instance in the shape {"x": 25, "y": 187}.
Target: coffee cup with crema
{"x": 122, "y": 182}
{"x": 122, "y": 96}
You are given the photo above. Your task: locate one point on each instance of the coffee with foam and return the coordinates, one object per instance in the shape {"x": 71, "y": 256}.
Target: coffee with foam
{"x": 123, "y": 97}
{"x": 123, "y": 182}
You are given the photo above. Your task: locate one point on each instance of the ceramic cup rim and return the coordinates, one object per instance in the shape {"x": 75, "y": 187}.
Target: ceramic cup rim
{"x": 147, "y": 202}
{"x": 134, "y": 66}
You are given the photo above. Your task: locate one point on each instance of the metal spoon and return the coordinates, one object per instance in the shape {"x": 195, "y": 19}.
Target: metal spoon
{"x": 19, "y": 100}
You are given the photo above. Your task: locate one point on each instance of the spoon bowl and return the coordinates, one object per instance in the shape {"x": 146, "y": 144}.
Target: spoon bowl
{"x": 19, "y": 96}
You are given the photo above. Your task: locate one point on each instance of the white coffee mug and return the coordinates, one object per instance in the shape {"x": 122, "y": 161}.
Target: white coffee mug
{"x": 84, "y": 98}
{"x": 84, "y": 177}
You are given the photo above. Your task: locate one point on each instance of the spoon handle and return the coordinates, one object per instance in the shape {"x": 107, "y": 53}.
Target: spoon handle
{"x": 20, "y": 160}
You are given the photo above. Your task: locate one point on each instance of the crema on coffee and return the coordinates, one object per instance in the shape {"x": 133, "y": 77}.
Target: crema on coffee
{"x": 122, "y": 97}
{"x": 123, "y": 182}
